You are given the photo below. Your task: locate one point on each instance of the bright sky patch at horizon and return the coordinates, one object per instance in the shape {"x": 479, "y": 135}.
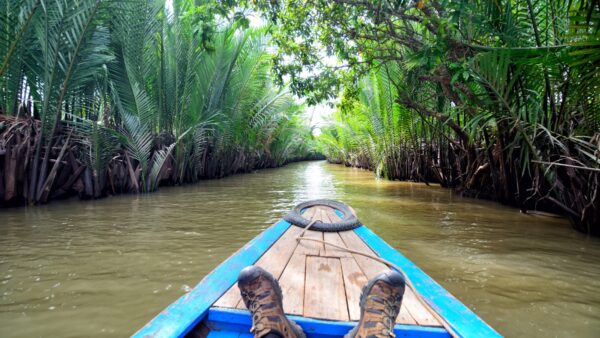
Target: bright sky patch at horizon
{"x": 318, "y": 115}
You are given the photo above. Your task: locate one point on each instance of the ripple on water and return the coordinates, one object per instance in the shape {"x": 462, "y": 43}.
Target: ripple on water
{"x": 104, "y": 268}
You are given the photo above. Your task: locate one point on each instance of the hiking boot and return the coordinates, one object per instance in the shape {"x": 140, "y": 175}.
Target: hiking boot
{"x": 262, "y": 296}
{"x": 380, "y": 303}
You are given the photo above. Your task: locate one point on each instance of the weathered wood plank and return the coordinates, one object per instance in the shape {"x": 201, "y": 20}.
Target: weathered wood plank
{"x": 324, "y": 215}
{"x": 316, "y": 214}
{"x": 370, "y": 267}
{"x": 404, "y": 317}
{"x": 273, "y": 261}
{"x": 311, "y": 247}
{"x": 324, "y": 292}
{"x": 419, "y": 312}
{"x": 354, "y": 280}
{"x": 277, "y": 257}
{"x": 411, "y": 307}
{"x": 230, "y": 298}
{"x": 334, "y": 238}
{"x": 287, "y": 261}
{"x": 292, "y": 284}
{"x": 309, "y": 213}
{"x": 333, "y": 216}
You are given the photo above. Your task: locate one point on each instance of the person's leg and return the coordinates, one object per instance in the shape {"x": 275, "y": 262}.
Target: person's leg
{"x": 262, "y": 296}
{"x": 380, "y": 303}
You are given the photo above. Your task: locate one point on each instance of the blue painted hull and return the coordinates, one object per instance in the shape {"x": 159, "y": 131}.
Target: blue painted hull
{"x": 195, "y": 307}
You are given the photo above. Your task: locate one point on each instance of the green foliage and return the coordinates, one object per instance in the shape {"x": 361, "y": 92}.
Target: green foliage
{"x": 487, "y": 96}
{"x": 176, "y": 94}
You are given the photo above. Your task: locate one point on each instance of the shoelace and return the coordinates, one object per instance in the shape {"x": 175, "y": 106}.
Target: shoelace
{"x": 390, "y": 310}
{"x": 254, "y": 308}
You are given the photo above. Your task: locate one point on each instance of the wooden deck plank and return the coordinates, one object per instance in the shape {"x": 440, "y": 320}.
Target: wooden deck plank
{"x": 230, "y": 298}
{"x": 324, "y": 292}
{"x": 292, "y": 284}
{"x": 404, "y": 317}
{"x": 273, "y": 260}
{"x": 354, "y": 280}
{"x": 309, "y": 213}
{"x": 333, "y": 216}
{"x": 277, "y": 257}
{"x": 318, "y": 214}
{"x": 419, "y": 312}
{"x": 310, "y": 247}
{"x": 411, "y": 307}
{"x": 338, "y": 290}
{"x": 325, "y": 215}
{"x": 334, "y": 238}
{"x": 370, "y": 267}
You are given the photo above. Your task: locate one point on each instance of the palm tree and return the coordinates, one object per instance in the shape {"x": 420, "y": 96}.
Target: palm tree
{"x": 132, "y": 94}
{"x": 496, "y": 98}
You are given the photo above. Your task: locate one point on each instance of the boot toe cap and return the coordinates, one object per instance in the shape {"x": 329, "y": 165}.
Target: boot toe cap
{"x": 393, "y": 278}
{"x": 249, "y": 273}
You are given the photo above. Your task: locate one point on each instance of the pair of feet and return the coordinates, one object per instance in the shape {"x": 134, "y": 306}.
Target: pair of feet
{"x": 380, "y": 303}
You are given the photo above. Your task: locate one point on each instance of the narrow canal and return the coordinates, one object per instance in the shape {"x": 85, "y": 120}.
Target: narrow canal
{"x": 104, "y": 268}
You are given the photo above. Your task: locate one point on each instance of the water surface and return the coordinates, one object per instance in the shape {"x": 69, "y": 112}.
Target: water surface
{"x": 104, "y": 268}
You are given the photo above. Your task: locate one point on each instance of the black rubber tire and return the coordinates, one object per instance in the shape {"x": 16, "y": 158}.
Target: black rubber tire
{"x": 348, "y": 222}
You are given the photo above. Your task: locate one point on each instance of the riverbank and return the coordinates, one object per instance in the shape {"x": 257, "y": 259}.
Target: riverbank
{"x": 103, "y": 268}
{"x": 480, "y": 186}
{"x": 72, "y": 167}
{"x": 126, "y": 100}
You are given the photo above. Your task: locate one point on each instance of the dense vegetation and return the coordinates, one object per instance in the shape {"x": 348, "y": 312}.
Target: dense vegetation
{"x": 104, "y": 97}
{"x": 499, "y": 99}
{"x": 495, "y": 98}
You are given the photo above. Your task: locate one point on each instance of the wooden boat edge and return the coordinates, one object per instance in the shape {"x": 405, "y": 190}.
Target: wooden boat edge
{"x": 463, "y": 321}
{"x": 184, "y": 314}
{"x": 238, "y": 320}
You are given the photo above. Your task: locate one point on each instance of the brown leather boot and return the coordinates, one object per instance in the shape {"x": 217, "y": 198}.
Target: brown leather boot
{"x": 262, "y": 296}
{"x": 380, "y": 303}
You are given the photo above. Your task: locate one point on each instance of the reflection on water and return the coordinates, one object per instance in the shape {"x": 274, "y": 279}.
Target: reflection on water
{"x": 104, "y": 268}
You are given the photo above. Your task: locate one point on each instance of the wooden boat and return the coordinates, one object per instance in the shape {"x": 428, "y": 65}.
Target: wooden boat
{"x": 321, "y": 287}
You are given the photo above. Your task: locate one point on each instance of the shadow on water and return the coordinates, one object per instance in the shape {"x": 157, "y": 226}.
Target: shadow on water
{"x": 104, "y": 268}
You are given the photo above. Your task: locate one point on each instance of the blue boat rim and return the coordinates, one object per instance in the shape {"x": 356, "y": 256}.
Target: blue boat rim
{"x": 184, "y": 314}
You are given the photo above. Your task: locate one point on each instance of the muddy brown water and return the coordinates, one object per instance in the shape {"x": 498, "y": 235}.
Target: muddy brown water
{"x": 104, "y": 268}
